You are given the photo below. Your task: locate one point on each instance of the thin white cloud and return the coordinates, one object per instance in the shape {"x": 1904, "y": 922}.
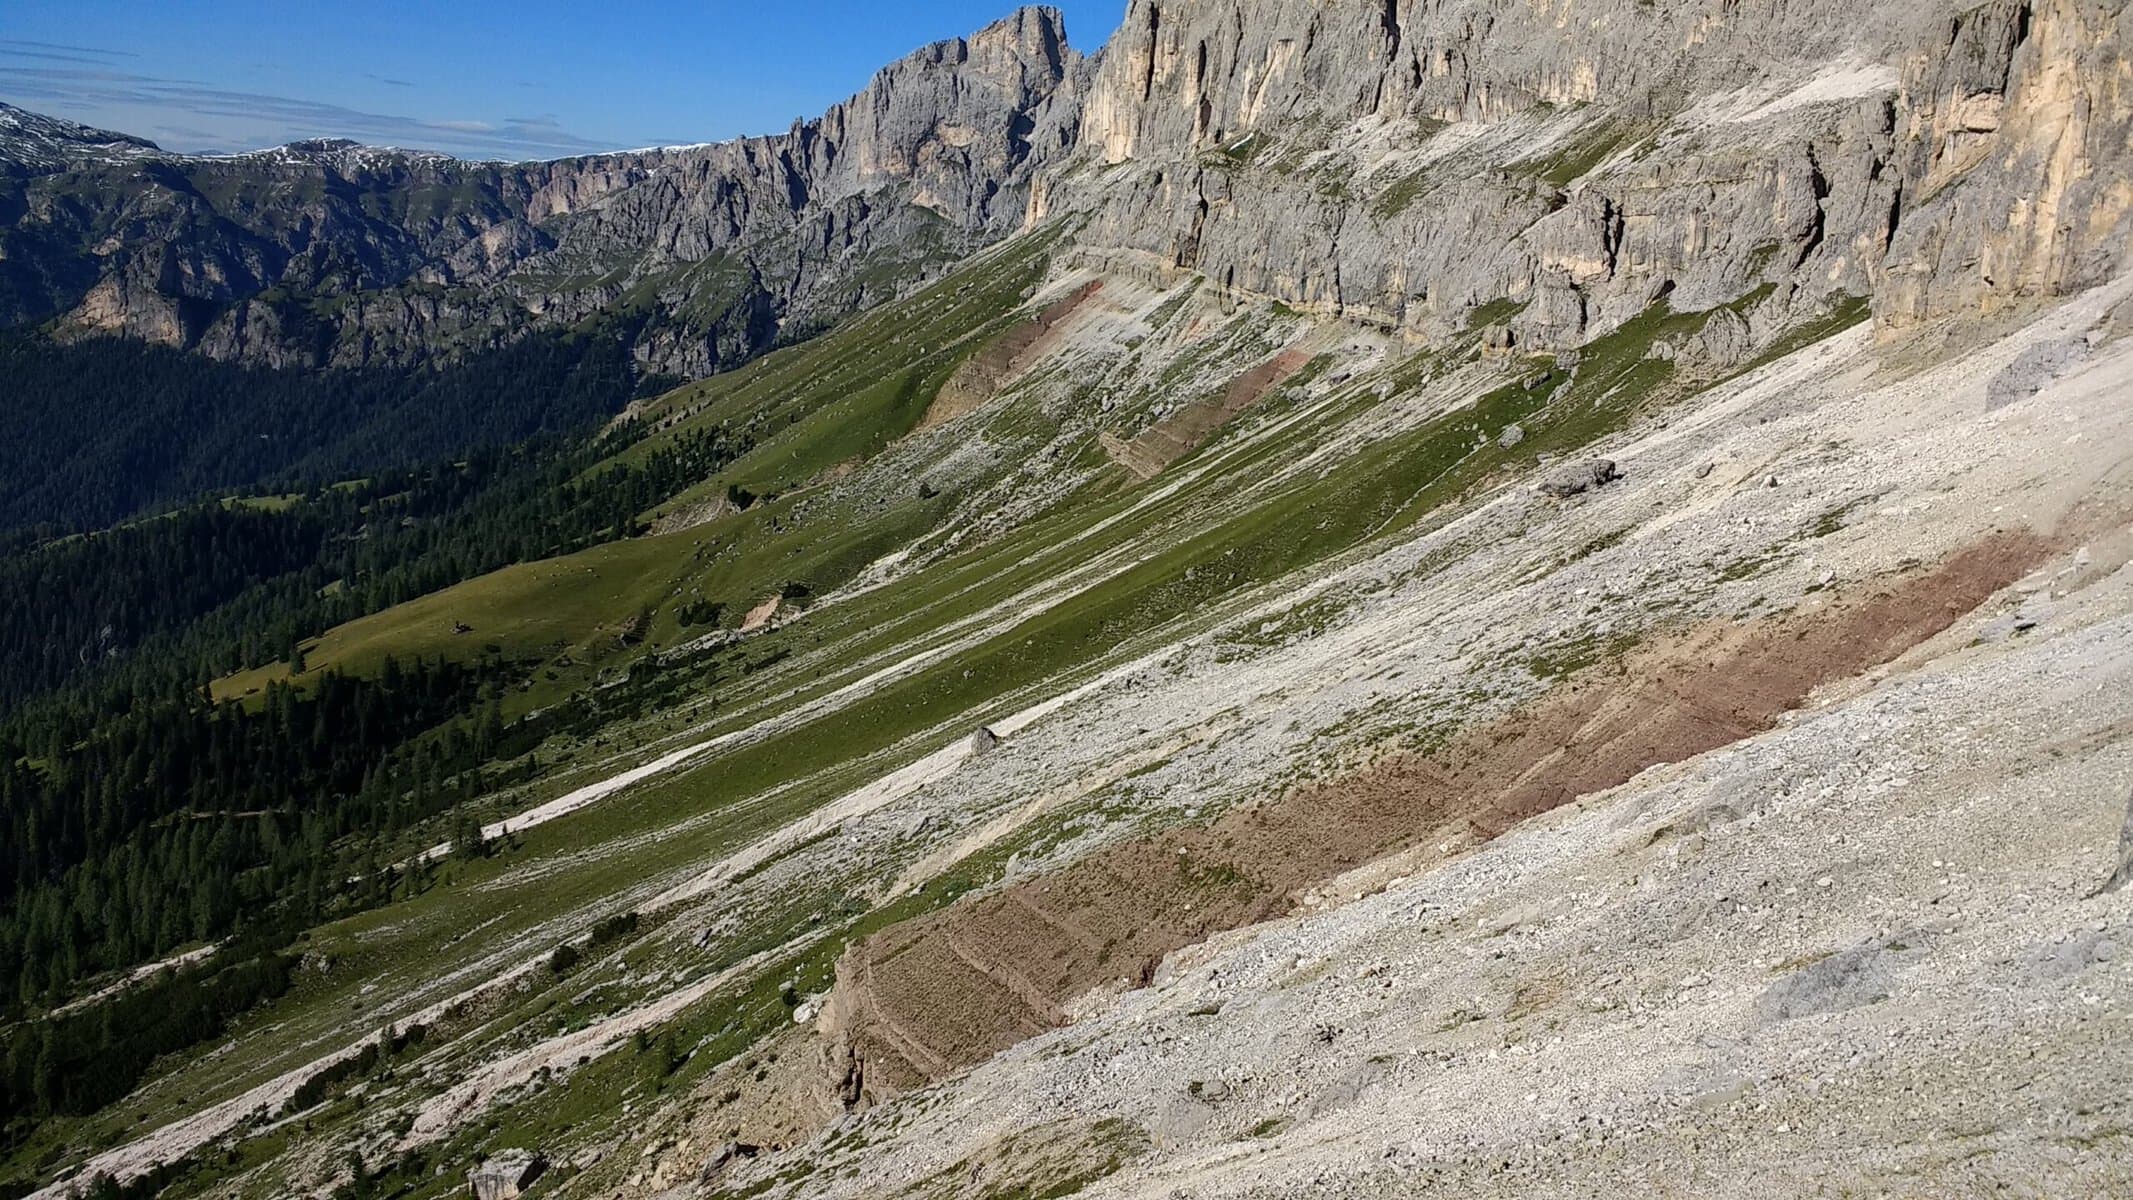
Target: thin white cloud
{"x": 26, "y": 46}
{"x": 96, "y": 92}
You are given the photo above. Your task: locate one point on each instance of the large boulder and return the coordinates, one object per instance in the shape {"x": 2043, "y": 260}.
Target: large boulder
{"x": 506, "y": 1174}
{"x": 1565, "y": 482}
{"x": 2035, "y": 369}
{"x": 724, "y": 1157}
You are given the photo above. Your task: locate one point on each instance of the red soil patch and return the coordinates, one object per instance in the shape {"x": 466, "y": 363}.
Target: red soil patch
{"x": 982, "y": 375}
{"x": 926, "y": 998}
{"x": 1179, "y": 434}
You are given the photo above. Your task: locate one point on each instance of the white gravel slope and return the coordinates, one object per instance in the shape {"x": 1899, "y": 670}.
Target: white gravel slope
{"x": 1862, "y": 954}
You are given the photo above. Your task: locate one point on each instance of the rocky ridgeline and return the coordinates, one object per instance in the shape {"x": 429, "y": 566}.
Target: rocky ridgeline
{"x": 324, "y": 253}
{"x": 1396, "y": 163}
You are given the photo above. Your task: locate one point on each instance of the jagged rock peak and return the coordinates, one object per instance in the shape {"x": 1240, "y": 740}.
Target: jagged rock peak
{"x": 952, "y": 118}
{"x": 932, "y": 158}
{"x": 1034, "y": 35}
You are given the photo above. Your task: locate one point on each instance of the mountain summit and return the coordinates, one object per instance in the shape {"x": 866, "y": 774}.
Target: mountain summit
{"x": 31, "y": 143}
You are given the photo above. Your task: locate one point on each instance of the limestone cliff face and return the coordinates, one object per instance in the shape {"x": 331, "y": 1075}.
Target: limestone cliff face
{"x": 2017, "y": 165}
{"x": 1401, "y": 162}
{"x": 1184, "y": 72}
{"x": 1405, "y": 162}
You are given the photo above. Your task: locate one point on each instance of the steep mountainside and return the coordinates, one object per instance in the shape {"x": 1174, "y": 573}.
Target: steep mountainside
{"x": 32, "y": 144}
{"x": 1407, "y": 163}
{"x": 1373, "y": 598}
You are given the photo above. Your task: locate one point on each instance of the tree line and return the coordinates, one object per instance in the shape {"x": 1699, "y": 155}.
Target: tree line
{"x": 140, "y": 815}
{"x": 96, "y": 431}
{"x": 233, "y": 583}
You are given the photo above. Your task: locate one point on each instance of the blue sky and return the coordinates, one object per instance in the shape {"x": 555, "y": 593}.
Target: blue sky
{"x": 526, "y": 79}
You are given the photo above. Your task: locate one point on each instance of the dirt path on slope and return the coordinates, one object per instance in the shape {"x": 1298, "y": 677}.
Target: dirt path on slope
{"x": 924, "y": 999}
{"x": 136, "y": 975}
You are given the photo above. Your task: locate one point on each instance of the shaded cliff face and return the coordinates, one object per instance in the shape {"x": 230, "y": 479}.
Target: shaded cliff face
{"x": 1396, "y": 162}
{"x": 327, "y": 253}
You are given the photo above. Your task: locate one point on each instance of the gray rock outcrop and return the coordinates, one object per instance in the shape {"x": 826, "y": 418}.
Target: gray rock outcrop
{"x": 725, "y": 1156}
{"x": 1851, "y": 978}
{"x": 1578, "y": 478}
{"x": 2034, "y": 369}
{"x": 2122, "y": 860}
{"x": 1397, "y": 163}
{"x": 506, "y": 1174}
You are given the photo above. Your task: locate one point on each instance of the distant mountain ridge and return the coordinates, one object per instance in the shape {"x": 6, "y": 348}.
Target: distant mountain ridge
{"x": 327, "y": 253}
{"x": 33, "y": 143}
{"x": 1399, "y": 164}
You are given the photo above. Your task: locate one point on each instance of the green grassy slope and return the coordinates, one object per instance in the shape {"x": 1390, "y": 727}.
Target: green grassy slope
{"x": 1104, "y": 571}
{"x": 835, "y": 400}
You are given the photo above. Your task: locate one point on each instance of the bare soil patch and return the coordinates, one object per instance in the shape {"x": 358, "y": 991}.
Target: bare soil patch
{"x": 1179, "y": 434}
{"x": 999, "y": 363}
{"x": 929, "y": 997}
